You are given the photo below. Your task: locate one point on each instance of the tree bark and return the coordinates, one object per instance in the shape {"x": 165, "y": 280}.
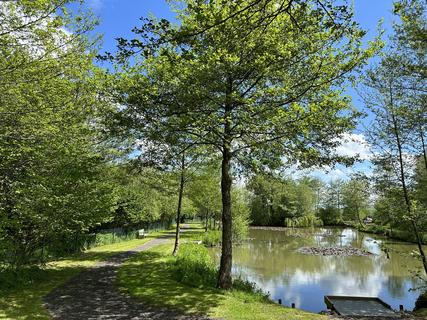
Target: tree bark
{"x": 424, "y": 147}
{"x": 224, "y": 276}
{"x": 178, "y": 211}
{"x": 404, "y": 187}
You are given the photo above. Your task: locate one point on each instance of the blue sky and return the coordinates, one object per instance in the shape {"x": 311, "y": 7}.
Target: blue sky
{"x": 118, "y": 17}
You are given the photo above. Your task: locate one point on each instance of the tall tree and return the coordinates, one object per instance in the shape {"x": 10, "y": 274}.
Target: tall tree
{"x": 389, "y": 135}
{"x": 257, "y": 93}
{"x": 410, "y": 41}
{"x": 53, "y": 174}
{"x": 204, "y": 192}
{"x": 355, "y": 197}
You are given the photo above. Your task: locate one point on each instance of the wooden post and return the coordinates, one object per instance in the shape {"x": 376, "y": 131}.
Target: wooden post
{"x": 280, "y": 301}
{"x": 293, "y": 305}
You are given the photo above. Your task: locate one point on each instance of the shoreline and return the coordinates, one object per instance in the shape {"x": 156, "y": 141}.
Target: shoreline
{"x": 369, "y": 229}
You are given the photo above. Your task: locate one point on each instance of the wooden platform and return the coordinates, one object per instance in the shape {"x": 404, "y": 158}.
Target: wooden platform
{"x": 359, "y": 306}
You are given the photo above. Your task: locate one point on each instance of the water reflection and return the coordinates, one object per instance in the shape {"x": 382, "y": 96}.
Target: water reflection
{"x": 270, "y": 259}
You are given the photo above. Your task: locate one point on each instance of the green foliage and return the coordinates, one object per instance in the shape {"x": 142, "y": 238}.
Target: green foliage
{"x": 355, "y": 198}
{"x": 212, "y": 238}
{"x": 22, "y": 290}
{"x": 54, "y": 179}
{"x": 330, "y": 216}
{"x": 304, "y": 221}
{"x": 420, "y": 188}
{"x": 150, "y": 276}
{"x": 194, "y": 266}
{"x": 257, "y": 89}
{"x": 143, "y": 196}
{"x": 274, "y": 199}
{"x": 204, "y": 192}
{"x": 240, "y": 213}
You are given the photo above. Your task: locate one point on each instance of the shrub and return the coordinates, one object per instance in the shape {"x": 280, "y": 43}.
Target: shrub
{"x": 18, "y": 278}
{"x": 248, "y": 286}
{"x": 194, "y": 266}
{"x": 212, "y": 238}
{"x": 330, "y": 216}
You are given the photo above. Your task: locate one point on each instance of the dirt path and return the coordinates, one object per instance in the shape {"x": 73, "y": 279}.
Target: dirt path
{"x": 93, "y": 295}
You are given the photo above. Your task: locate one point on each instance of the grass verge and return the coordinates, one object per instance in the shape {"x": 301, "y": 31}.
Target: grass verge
{"x": 150, "y": 277}
{"x": 24, "y": 301}
{"x": 421, "y": 313}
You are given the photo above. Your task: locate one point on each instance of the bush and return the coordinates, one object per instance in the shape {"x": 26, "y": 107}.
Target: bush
{"x": 19, "y": 278}
{"x": 304, "y": 221}
{"x": 194, "y": 266}
{"x": 212, "y": 238}
{"x": 330, "y": 216}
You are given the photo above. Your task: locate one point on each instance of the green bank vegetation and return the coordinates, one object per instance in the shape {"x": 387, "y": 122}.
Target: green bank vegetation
{"x": 197, "y": 119}
{"x": 22, "y": 290}
{"x": 189, "y": 283}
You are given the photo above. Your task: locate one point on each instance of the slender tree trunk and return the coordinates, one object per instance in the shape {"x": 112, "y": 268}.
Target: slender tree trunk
{"x": 358, "y": 216}
{"x": 224, "y": 277}
{"x": 178, "y": 211}
{"x": 405, "y": 189}
{"x": 206, "y": 220}
{"x": 424, "y": 147}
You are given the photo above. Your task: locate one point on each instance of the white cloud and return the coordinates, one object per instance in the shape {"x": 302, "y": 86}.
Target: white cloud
{"x": 351, "y": 145}
{"x": 354, "y": 145}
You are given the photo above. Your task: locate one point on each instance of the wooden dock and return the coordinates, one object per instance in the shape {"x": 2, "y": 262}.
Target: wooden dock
{"x": 359, "y": 306}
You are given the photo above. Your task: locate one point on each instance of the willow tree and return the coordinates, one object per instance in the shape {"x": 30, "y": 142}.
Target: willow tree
{"x": 259, "y": 81}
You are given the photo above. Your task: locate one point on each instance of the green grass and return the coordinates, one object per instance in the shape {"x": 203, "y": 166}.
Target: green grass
{"x": 25, "y": 301}
{"x": 421, "y": 312}
{"x": 150, "y": 277}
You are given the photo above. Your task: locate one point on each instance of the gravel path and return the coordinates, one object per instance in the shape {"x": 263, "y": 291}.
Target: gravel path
{"x": 93, "y": 295}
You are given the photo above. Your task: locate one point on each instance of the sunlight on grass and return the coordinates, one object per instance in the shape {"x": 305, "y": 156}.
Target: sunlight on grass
{"x": 150, "y": 277}
{"x": 25, "y": 301}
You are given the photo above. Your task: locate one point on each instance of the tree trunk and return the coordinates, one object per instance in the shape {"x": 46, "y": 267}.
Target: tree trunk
{"x": 405, "y": 189}
{"x": 224, "y": 276}
{"x": 178, "y": 211}
{"x": 424, "y": 147}
{"x": 358, "y": 217}
{"x": 206, "y": 220}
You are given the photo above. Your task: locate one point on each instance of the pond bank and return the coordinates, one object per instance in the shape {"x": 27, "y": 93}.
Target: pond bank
{"x": 367, "y": 228}
{"x": 271, "y": 259}
{"x": 392, "y": 234}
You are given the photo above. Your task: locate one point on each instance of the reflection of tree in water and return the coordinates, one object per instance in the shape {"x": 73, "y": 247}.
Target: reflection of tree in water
{"x": 396, "y": 285}
{"x": 271, "y": 258}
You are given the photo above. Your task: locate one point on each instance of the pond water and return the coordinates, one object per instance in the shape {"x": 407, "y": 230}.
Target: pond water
{"x": 270, "y": 259}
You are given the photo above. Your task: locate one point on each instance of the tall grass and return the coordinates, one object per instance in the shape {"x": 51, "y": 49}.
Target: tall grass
{"x": 212, "y": 238}
{"x": 194, "y": 266}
